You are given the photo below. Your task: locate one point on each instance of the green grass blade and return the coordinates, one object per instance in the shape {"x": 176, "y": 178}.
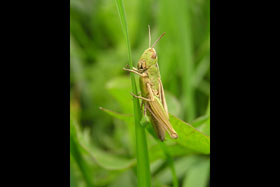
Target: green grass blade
{"x": 143, "y": 165}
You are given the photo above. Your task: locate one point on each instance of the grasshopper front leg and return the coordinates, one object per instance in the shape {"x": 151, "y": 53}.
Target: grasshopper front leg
{"x": 134, "y": 71}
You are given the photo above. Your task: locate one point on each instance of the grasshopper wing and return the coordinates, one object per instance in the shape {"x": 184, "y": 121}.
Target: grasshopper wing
{"x": 162, "y": 122}
{"x": 162, "y": 97}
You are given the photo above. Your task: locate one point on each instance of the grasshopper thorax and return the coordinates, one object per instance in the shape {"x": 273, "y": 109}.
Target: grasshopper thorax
{"x": 148, "y": 59}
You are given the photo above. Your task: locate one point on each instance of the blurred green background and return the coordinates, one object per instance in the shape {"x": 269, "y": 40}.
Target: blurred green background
{"x": 102, "y": 147}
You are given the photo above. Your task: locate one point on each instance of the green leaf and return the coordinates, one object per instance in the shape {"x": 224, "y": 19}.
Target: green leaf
{"x": 190, "y": 137}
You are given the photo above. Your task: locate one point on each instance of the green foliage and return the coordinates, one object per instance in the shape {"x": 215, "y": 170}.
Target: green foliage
{"x": 103, "y": 150}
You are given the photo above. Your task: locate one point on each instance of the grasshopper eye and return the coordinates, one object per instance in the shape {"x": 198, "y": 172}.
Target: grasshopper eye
{"x": 154, "y": 56}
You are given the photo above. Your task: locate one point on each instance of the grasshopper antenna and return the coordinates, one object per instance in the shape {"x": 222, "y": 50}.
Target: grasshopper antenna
{"x": 149, "y": 36}
{"x": 158, "y": 40}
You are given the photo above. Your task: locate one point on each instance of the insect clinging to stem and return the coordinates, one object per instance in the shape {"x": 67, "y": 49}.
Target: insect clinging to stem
{"x": 152, "y": 93}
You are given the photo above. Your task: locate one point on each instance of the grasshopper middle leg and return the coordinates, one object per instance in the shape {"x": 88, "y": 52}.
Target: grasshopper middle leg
{"x": 140, "y": 97}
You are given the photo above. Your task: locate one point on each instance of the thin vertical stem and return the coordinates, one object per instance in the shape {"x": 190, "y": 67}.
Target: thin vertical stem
{"x": 143, "y": 165}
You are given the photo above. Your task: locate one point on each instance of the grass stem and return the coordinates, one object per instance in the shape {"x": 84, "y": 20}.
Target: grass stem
{"x": 143, "y": 165}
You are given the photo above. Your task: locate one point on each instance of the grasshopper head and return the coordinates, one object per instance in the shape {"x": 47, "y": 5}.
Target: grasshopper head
{"x": 148, "y": 58}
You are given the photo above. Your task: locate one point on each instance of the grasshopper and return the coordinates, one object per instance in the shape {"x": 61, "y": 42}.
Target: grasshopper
{"x": 152, "y": 93}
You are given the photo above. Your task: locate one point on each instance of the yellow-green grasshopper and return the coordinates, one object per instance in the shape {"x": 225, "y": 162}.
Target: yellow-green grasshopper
{"x": 152, "y": 93}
